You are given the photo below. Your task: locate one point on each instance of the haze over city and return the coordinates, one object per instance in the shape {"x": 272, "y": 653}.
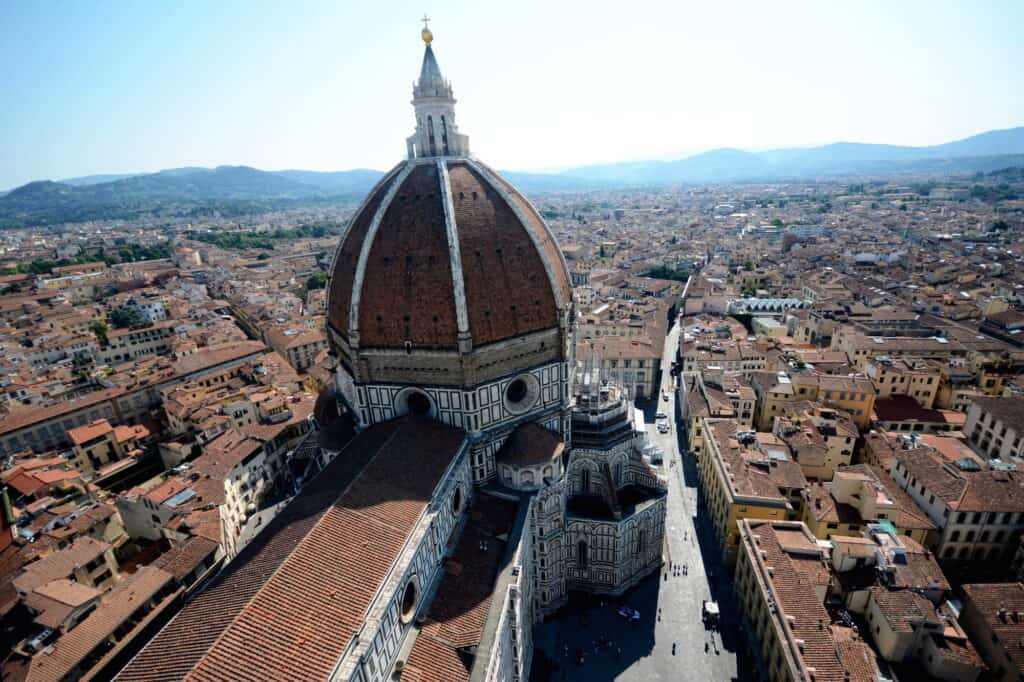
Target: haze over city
{"x": 119, "y": 87}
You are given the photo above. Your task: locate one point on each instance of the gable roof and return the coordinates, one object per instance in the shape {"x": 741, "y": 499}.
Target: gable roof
{"x": 321, "y": 560}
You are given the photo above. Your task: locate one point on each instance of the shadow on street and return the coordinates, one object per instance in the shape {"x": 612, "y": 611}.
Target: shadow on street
{"x": 569, "y": 646}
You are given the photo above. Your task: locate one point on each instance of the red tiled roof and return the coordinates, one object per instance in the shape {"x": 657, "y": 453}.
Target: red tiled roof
{"x": 117, "y": 607}
{"x": 999, "y": 604}
{"x": 834, "y": 657}
{"x": 530, "y": 444}
{"x": 94, "y": 429}
{"x": 408, "y": 287}
{"x": 459, "y": 611}
{"x": 263, "y": 617}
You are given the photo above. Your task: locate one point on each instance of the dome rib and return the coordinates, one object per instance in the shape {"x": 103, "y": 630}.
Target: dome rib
{"x": 508, "y": 291}
{"x": 406, "y": 291}
{"x": 454, "y": 254}
{"x": 383, "y": 204}
{"x": 346, "y": 256}
{"x": 543, "y": 240}
{"x": 445, "y": 255}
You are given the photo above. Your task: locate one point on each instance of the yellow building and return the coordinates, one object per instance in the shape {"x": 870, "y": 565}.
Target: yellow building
{"x": 856, "y": 395}
{"x": 919, "y": 379}
{"x": 859, "y": 495}
{"x": 820, "y": 438}
{"x": 746, "y": 475}
{"x": 98, "y": 443}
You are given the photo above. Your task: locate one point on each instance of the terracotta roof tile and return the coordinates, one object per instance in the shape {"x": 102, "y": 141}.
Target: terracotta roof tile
{"x": 320, "y": 561}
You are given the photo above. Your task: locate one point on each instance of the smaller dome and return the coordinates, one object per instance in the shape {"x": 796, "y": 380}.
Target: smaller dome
{"x": 529, "y": 445}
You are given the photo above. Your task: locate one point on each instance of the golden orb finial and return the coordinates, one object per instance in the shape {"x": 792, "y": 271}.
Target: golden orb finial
{"x": 428, "y": 37}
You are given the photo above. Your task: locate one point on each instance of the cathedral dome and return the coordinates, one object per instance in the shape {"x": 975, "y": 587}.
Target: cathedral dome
{"x": 444, "y": 254}
{"x": 444, "y": 249}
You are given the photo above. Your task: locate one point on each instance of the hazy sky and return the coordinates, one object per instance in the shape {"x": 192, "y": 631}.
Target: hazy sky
{"x": 106, "y": 87}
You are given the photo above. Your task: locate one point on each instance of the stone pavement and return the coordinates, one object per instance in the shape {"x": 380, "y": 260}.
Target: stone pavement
{"x": 670, "y": 642}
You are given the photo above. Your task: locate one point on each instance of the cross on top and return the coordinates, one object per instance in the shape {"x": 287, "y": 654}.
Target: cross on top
{"x": 425, "y": 19}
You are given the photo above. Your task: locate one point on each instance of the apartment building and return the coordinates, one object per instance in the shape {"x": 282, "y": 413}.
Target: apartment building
{"x": 44, "y": 427}
{"x": 979, "y": 512}
{"x": 632, "y": 363}
{"x": 995, "y": 427}
{"x": 859, "y": 495}
{"x": 746, "y": 475}
{"x": 993, "y": 616}
{"x": 726, "y": 396}
{"x": 908, "y": 628}
{"x": 854, "y": 394}
{"x": 917, "y": 379}
{"x": 298, "y": 345}
{"x": 98, "y": 443}
{"x": 773, "y": 390}
{"x": 782, "y": 578}
{"x": 820, "y": 438}
{"x": 125, "y": 345}
{"x": 724, "y": 355}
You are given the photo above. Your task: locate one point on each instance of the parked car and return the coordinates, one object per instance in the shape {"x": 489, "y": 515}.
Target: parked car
{"x": 663, "y": 427}
{"x": 661, "y": 415}
{"x": 629, "y": 613}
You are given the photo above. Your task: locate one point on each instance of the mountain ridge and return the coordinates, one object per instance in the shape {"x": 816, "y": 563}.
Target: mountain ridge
{"x": 235, "y": 189}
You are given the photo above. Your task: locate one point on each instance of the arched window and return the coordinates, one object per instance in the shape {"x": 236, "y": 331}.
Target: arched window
{"x": 617, "y": 473}
{"x": 585, "y": 480}
{"x": 954, "y": 536}
{"x": 640, "y": 541}
{"x": 430, "y": 135}
{"x": 444, "y": 135}
{"x": 418, "y": 403}
{"x": 581, "y": 554}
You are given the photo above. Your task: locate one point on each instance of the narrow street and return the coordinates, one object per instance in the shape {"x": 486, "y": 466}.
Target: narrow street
{"x": 670, "y": 642}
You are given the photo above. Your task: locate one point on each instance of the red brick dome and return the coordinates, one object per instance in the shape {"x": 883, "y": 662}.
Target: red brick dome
{"x": 444, "y": 254}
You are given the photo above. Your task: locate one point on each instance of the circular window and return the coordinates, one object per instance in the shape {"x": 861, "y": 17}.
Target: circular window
{"x": 409, "y": 600}
{"x": 522, "y": 393}
{"x": 516, "y": 391}
{"x": 457, "y": 500}
{"x": 418, "y": 403}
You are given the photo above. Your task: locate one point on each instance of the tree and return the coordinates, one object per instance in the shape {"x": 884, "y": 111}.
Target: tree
{"x": 318, "y": 280}
{"x": 748, "y": 265}
{"x": 124, "y": 318}
{"x": 777, "y": 222}
{"x": 263, "y": 256}
{"x": 99, "y": 328}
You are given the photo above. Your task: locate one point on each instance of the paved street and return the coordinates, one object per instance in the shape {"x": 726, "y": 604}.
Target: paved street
{"x": 669, "y": 642}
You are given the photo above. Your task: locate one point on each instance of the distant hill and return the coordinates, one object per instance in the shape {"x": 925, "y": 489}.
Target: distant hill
{"x": 237, "y": 190}
{"x": 984, "y": 152}
{"x": 225, "y": 190}
{"x": 358, "y": 181}
{"x": 86, "y": 180}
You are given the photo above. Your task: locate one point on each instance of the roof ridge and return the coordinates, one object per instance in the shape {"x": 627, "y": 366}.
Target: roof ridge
{"x": 298, "y": 545}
